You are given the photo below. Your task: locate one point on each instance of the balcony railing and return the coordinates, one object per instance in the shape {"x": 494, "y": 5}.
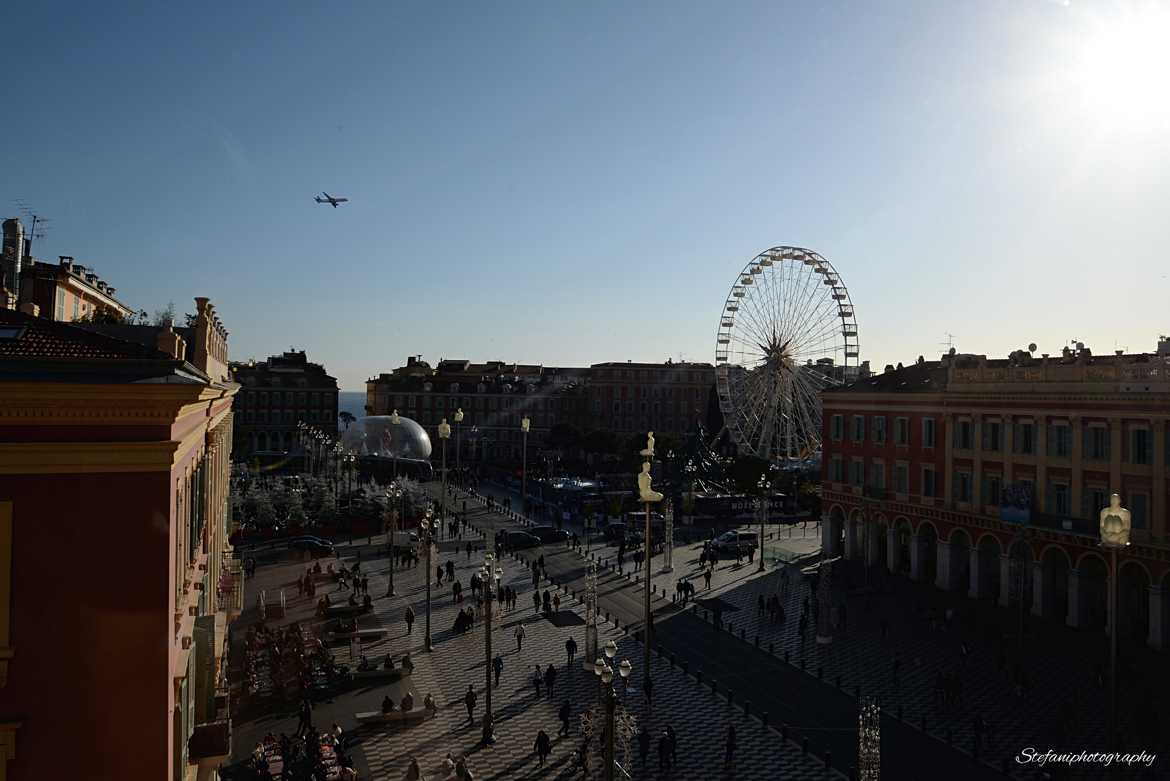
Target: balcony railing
{"x": 210, "y": 743}
{"x": 231, "y": 587}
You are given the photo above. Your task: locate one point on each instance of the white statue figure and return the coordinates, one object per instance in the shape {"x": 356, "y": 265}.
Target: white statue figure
{"x": 649, "y": 451}
{"x": 644, "y": 491}
{"x": 1115, "y": 523}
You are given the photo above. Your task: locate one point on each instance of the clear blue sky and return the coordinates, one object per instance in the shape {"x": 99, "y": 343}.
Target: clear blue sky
{"x": 577, "y": 182}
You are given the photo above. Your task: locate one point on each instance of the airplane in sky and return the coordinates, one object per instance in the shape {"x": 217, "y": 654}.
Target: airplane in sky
{"x": 329, "y": 199}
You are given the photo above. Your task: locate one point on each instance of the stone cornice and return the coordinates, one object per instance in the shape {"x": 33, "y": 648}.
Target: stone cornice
{"x": 59, "y": 404}
{"x": 23, "y": 458}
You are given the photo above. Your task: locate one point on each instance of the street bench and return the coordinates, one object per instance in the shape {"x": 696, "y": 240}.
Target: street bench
{"x": 361, "y": 634}
{"x": 379, "y": 674}
{"x": 345, "y": 610}
{"x": 378, "y": 717}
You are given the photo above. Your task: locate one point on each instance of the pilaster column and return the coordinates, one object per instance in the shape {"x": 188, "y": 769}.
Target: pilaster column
{"x": 892, "y": 549}
{"x": 1005, "y": 580}
{"x": 1158, "y": 497}
{"x": 1009, "y": 439}
{"x": 942, "y": 568}
{"x": 915, "y": 557}
{"x": 977, "y": 467}
{"x": 948, "y": 421}
{"x": 1038, "y": 595}
{"x": 976, "y": 587}
{"x": 1076, "y": 613}
{"x": 1158, "y": 635}
{"x": 851, "y": 538}
{"x": 1040, "y": 494}
{"x": 1076, "y": 473}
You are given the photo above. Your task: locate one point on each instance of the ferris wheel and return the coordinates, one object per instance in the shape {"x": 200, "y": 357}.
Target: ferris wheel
{"x": 786, "y": 332}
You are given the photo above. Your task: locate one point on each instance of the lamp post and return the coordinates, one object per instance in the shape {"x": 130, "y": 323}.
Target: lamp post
{"x": 603, "y": 669}
{"x": 668, "y": 541}
{"x": 393, "y": 495}
{"x": 427, "y": 527}
{"x": 459, "y": 446}
{"x": 525, "y": 423}
{"x": 444, "y": 435}
{"x": 763, "y": 486}
{"x": 1115, "y": 526}
{"x": 395, "y": 421}
{"x": 491, "y": 580}
{"x": 338, "y": 454}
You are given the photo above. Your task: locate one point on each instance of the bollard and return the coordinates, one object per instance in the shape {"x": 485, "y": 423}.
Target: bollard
{"x": 804, "y": 745}
{"x": 853, "y": 773}
{"x": 627, "y": 630}
{"x": 828, "y": 760}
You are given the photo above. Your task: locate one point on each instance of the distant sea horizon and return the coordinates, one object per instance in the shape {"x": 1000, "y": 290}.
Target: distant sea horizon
{"x": 353, "y": 402}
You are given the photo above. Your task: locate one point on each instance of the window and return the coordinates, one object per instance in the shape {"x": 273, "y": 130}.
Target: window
{"x": 1059, "y": 440}
{"x": 836, "y": 427}
{"x": 992, "y": 492}
{"x": 877, "y": 476}
{"x": 902, "y": 477}
{"x": 1097, "y": 443}
{"x": 964, "y": 435}
{"x": 60, "y": 304}
{"x": 879, "y": 430}
{"x": 1023, "y": 439}
{"x": 962, "y": 486}
{"x": 858, "y": 428}
{"x": 1137, "y": 510}
{"x": 901, "y": 431}
{"x": 928, "y": 434}
{"x": 992, "y": 436}
{"x": 836, "y": 470}
{"x": 1059, "y": 501}
{"x": 76, "y": 307}
{"x": 1096, "y": 498}
{"x": 857, "y": 472}
{"x": 1140, "y": 446}
{"x": 928, "y": 481}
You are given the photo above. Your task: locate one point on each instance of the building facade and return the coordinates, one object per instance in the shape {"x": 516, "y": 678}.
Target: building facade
{"x": 64, "y": 291}
{"x": 275, "y": 395}
{"x": 669, "y": 398}
{"x": 494, "y": 396}
{"x": 986, "y": 477}
{"x": 116, "y": 581}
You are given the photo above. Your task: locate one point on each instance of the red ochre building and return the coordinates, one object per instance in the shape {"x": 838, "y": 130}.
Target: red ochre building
{"x": 969, "y": 471}
{"x": 116, "y": 583}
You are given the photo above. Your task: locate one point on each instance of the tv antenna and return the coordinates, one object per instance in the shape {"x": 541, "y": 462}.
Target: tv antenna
{"x": 36, "y": 226}
{"x": 949, "y": 343}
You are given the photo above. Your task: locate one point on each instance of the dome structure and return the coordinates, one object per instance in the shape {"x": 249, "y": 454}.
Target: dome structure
{"x": 375, "y": 435}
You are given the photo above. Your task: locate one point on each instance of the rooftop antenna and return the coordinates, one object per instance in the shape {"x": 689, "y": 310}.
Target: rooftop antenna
{"x": 949, "y": 343}
{"x": 37, "y": 227}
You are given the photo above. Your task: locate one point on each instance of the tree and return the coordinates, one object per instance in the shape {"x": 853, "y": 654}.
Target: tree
{"x": 100, "y": 315}
{"x": 600, "y": 441}
{"x": 165, "y": 316}
{"x": 346, "y": 417}
{"x": 745, "y": 473}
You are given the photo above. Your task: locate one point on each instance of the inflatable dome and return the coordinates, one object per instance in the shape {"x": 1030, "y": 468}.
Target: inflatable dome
{"x": 375, "y": 435}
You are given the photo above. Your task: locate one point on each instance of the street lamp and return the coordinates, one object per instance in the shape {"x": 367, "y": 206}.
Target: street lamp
{"x": 625, "y": 668}
{"x": 444, "y": 435}
{"x": 491, "y": 581}
{"x": 763, "y": 486}
{"x": 427, "y": 529}
{"x": 604, "y": 671}
{"x": 524, "y": 426}
{"x": 1115, "y": 526}
{"x": 459, "y": 446}
{"x": 396, "y": 422}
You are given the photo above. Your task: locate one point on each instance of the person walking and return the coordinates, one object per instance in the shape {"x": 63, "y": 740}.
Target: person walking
{"x": 468, "y": 549}
{"x": 563, "y": 714}
{"x": 644, "y": 744}
{"x": 470, "y": 700}
{"x": 707, "y": 577}
{"x": 729, "y": 746}
{"x": 664, "y": 752}
{"x": 439, "y": 575}
{"x": 409, "y": 618}
{"x": 450, "y": 570}
{"x": 542, "y": 747}
{"x": 760, "y": 605}
{"x": 519, "y": 637}
{"x": 497, "y": 668}
{"x": 305, "y": 722}
{"x": 571, "y": 650}
{"x": 670, "y": 734}
{"x": 550, "y": 679}
{"x": 556, "y": 603}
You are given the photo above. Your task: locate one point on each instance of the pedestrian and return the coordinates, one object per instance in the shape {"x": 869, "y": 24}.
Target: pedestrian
{"x": 468, "y": 550}
{"x": 409, "y": 618}
{"x": 556, "y": 603}
{"x": 300, "y": 586}
{"x": 563, "y": 714}
{"x": 571, "y": 650}
{"x": 537, "y": 679}
{"x": 305, "y": 723}
{"x": 760, "y": 605}
{"x": 469, "y": 700}
{"x": 542, "y": 747}
{"x": 644, "y": 744}
{"x": 439, "y": 575}
{"x": 707, "y": 578}
{"x": 550, "y": 679}
{"x": 673, "y": 738}
{"x": 536, "y": 602}
{"x": 751, "y": 553}
{"x": 365, "y": 585}
{"x": 664, "y": 752}
{"x": 519, "y": 633}
{"x": 497, "y": 668}
{"x": 450, "y": 570}
{"x": 729, "y": 746}
{"x": 547, "y": 602}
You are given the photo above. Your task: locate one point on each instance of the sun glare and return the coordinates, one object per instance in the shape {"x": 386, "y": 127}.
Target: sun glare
{"x": 1123, "y": 70}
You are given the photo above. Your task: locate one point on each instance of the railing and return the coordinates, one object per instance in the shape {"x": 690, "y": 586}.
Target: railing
{"x": 231, "y": 587}
{"x": 212, "y": 740}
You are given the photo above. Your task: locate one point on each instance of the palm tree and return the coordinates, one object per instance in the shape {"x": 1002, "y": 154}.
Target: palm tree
{"x": 346, "y": 418}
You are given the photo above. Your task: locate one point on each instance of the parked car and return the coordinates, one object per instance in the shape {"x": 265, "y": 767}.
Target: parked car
{"x": 549, "y": 534}
{"x": 314, "y": 545}
{"x": 616, "y": 532}
{"x": 728, "y": 541}
{"x": 515, "y": 539}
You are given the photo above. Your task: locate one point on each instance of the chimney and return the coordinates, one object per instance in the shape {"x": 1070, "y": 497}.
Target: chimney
{"x": 109, "y": 291}
{"x": 171, "y": 343}
{"x": 11, "y": 256}
{"x": 101, "y": 285}
{"x": 66, "y": 262}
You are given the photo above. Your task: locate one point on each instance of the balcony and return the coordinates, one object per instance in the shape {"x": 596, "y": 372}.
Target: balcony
{"x": 210, "y": 744}
{"x": 875, "y": 492}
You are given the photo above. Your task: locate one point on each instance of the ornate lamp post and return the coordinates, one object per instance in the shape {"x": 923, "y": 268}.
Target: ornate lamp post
{"x": 491, "y": 580}
{"x": 338, "y": 455}
{"x": 427, "y": 529}
{"x": 1115, "y": 526}
{"x": 394, "y": 494}
{"x": 763, "y": 486}
{"x": 590, "y": 613}
{"x": 396, "y": 422}
{"x": 603, "y": 669}
{"x": 648, "y": 497}
{"x": 458, "y": 446}
{"x": 444, "y": 435}
{"x": 668, "y": 542}
{"x": 869, "y": 742}
{"x": 525, "y": 423}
